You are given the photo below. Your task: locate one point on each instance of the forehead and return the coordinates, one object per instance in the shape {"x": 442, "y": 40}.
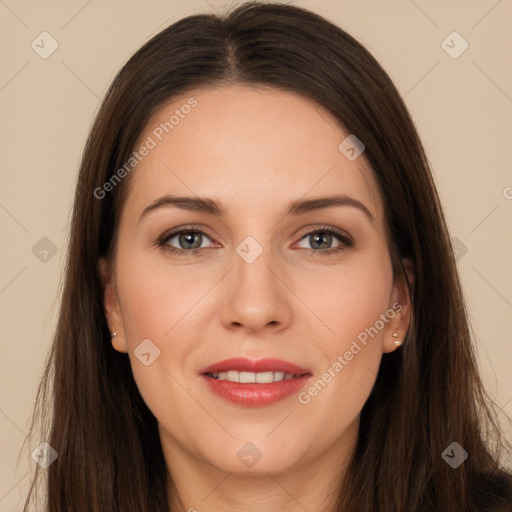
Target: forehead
{"x": 247, "y": 147}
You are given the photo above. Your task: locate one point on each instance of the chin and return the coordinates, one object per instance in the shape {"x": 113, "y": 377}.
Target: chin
{"x": 258, "y": 457}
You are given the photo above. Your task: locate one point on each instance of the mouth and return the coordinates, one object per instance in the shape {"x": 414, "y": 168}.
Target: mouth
{"x": 254, "y": 383}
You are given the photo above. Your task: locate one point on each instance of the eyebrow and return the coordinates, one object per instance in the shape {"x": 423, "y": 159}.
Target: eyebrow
{"x": 295, "y": 208}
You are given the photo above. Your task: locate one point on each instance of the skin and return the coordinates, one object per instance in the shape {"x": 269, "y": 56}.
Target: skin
{"x": 254, "y": 150}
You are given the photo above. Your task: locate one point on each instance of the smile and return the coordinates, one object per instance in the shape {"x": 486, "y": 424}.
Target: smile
{"x": 254, "y": 383}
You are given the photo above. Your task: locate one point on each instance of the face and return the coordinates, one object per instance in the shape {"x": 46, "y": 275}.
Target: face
{"x": 276, "y": 276}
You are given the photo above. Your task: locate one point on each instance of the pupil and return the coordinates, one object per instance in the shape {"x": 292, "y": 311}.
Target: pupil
{"x": 188, "y": 238}
{"x": 320, "y": 236}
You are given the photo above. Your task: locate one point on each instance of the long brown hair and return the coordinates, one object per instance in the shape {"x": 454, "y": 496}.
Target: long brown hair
{"x": 427, "y": 395}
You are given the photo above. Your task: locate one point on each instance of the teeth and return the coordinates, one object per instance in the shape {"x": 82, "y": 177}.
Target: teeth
{"x": 278, "y": 376}
{"x": 251, "y": 377}
{"x": 264, "y": 377}
{"x": 247, "y": 377}
{"x": 233, "y": 376}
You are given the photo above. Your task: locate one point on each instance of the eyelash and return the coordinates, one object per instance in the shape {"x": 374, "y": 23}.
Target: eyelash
{"x": 346, "y": 241}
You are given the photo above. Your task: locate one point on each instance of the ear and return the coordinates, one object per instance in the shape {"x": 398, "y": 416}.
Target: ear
{"x": 401, "y": 305}
{"x": 111, "y": 306}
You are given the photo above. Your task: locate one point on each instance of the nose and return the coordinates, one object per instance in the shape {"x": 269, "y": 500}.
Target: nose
{"x": 257, "y": 295}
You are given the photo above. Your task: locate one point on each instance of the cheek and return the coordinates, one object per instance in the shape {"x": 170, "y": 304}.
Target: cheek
{"x": 160, "y": 303}
{"x": 167, "y": 304}
{"x": 155, "y": 299}
{"x": 355, "y": 306}
{"x": 351, "y": 298}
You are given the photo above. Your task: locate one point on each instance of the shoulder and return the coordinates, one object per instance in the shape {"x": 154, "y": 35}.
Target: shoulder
{"x": 492, "y": 492}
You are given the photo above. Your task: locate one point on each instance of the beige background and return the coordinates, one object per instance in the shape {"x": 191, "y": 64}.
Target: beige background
{"x": 462, "y": 108}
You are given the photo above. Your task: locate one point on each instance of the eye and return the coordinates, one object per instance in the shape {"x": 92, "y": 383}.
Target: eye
{"x": 321, "y": 240}
{"x": 189, "y": 241}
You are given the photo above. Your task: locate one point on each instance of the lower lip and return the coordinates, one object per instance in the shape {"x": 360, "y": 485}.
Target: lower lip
{"x": 255, "y": 395}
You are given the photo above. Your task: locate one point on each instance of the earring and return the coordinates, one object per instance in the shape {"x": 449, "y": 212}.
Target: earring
{"x": 397, "y": 343}
{"x": 113, "y": 334}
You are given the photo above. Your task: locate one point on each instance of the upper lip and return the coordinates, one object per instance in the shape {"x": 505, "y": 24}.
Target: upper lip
{"x": 242, "y": 364}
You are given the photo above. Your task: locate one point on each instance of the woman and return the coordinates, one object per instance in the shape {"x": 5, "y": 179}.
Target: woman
{"x": 310, "y": 349}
